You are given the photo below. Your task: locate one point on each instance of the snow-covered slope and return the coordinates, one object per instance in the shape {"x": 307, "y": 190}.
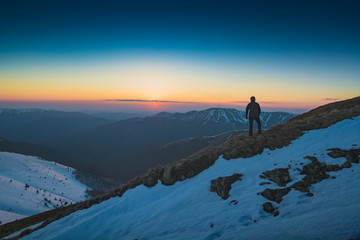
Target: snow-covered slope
{"x": 29, "y": 185}
{"x": 189, "y": 210}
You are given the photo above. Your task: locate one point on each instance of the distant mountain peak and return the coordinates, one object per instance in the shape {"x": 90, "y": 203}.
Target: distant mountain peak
{"x": 226, "y": 116}
{"x": 162, "y": 114}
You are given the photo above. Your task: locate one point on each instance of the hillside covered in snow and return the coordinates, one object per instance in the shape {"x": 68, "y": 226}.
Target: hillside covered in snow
{"x": 298, "y": 180}
{"x": 30, "y": 185}
{"x": 189, "y": 210}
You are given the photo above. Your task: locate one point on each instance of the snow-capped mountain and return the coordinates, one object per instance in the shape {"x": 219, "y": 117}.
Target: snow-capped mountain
{"x": 296, "y": 181}
{"x": 227, "y": 116}
{"x": 29, "y": 185}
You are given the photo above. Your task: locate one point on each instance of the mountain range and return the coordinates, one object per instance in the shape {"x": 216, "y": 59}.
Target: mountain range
{"x": 129, "y": 147}
{"x": 126, "y": 148}
{"x": 44, "y": 127}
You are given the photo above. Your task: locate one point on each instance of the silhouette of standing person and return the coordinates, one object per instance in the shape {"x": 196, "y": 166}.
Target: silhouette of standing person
{"x": 254, "y": 114}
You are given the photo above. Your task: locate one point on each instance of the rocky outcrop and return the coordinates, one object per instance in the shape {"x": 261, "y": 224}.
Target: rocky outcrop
{"x": 346, "y": 165}
{"x": 152, "y": 177}
{"x": 275, "y": 195}
{"x": 280, "y": 176}
{"x": 222, "y": 185}
{"x": 352, "y": 155}
{"x": 269, "y": 208}
{"x": 190, "y": 167}
{"x": 301, "y": 186}
{"x": 314, "y": 172}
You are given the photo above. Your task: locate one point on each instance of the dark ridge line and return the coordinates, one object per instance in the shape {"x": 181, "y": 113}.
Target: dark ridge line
{"x": 239, "y": 146}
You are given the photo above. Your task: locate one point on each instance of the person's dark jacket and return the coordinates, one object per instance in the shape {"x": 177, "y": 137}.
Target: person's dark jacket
{"x": 254, "y": 109}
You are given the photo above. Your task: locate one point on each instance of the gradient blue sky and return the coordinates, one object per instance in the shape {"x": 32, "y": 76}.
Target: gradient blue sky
{"x": 294, "y": 54}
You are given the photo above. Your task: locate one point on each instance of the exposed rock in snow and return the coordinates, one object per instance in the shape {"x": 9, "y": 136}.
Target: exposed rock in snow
{"x": 314, "y": 172}
{"x": 222, "y": 185}
{"x": 275, "y": 194}
{"x": 351, "y": 155}
{"x": 279, "y": 175}
{"x": 269, "y": 208}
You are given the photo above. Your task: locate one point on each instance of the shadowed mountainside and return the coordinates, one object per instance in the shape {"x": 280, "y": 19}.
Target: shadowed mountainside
{"x": 140, "y": 161}
{"x": 130, "y": 147}
{"x": 44, "y": 127}
{"x": 32, "y": 150}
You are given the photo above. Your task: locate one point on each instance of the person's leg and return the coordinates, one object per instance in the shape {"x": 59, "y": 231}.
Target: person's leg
{"x": 258, "y": 123}
{"x": 251, "y": 122}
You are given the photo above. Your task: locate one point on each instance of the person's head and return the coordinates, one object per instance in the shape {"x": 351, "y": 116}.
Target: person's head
{"x": 252, "y": 99}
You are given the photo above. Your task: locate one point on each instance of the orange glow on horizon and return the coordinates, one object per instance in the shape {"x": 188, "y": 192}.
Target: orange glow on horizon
{"x": 157, "y": 106}
{"x": 164, "y": 81}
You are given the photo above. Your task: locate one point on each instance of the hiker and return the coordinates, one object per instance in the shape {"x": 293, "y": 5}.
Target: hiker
{"x": 255, "y": 111}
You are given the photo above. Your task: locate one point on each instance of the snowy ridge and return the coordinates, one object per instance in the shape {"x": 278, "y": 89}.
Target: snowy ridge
{"x": 227, "y": 116}
{"x": 29, "y": 185}
{"x": 188, "y": 210}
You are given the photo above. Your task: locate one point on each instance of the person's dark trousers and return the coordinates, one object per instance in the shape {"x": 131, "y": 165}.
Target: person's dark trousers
{"x": 251, "y": 123}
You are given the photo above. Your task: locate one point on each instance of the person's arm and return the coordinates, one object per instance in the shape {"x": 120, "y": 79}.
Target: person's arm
{"x": 247, "y": 110}
{"x": 259, "y": 109}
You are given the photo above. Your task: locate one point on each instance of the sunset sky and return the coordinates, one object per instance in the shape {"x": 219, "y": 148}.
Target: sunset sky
{"x": 122, "y": 55}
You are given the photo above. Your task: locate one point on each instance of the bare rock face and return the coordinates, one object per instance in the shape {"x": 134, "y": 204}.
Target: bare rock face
{"x": 333, "y": 168}
{"x": 311, "y": 158}
{"x": 346, "y": 165}
{"x": 336, "y": 152}
{"x": 352, "y": 155}
{"x": 275, "y": 195}
{"x": 301, "y": 186}
{"x": 279, "y": 175}
{"x": 189, "y": 167}
{"x": 315, "y": 171}
{"x": 152, "y": 177}
{"x": 268, "y": 207}
{"x": 222, "y": 185}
